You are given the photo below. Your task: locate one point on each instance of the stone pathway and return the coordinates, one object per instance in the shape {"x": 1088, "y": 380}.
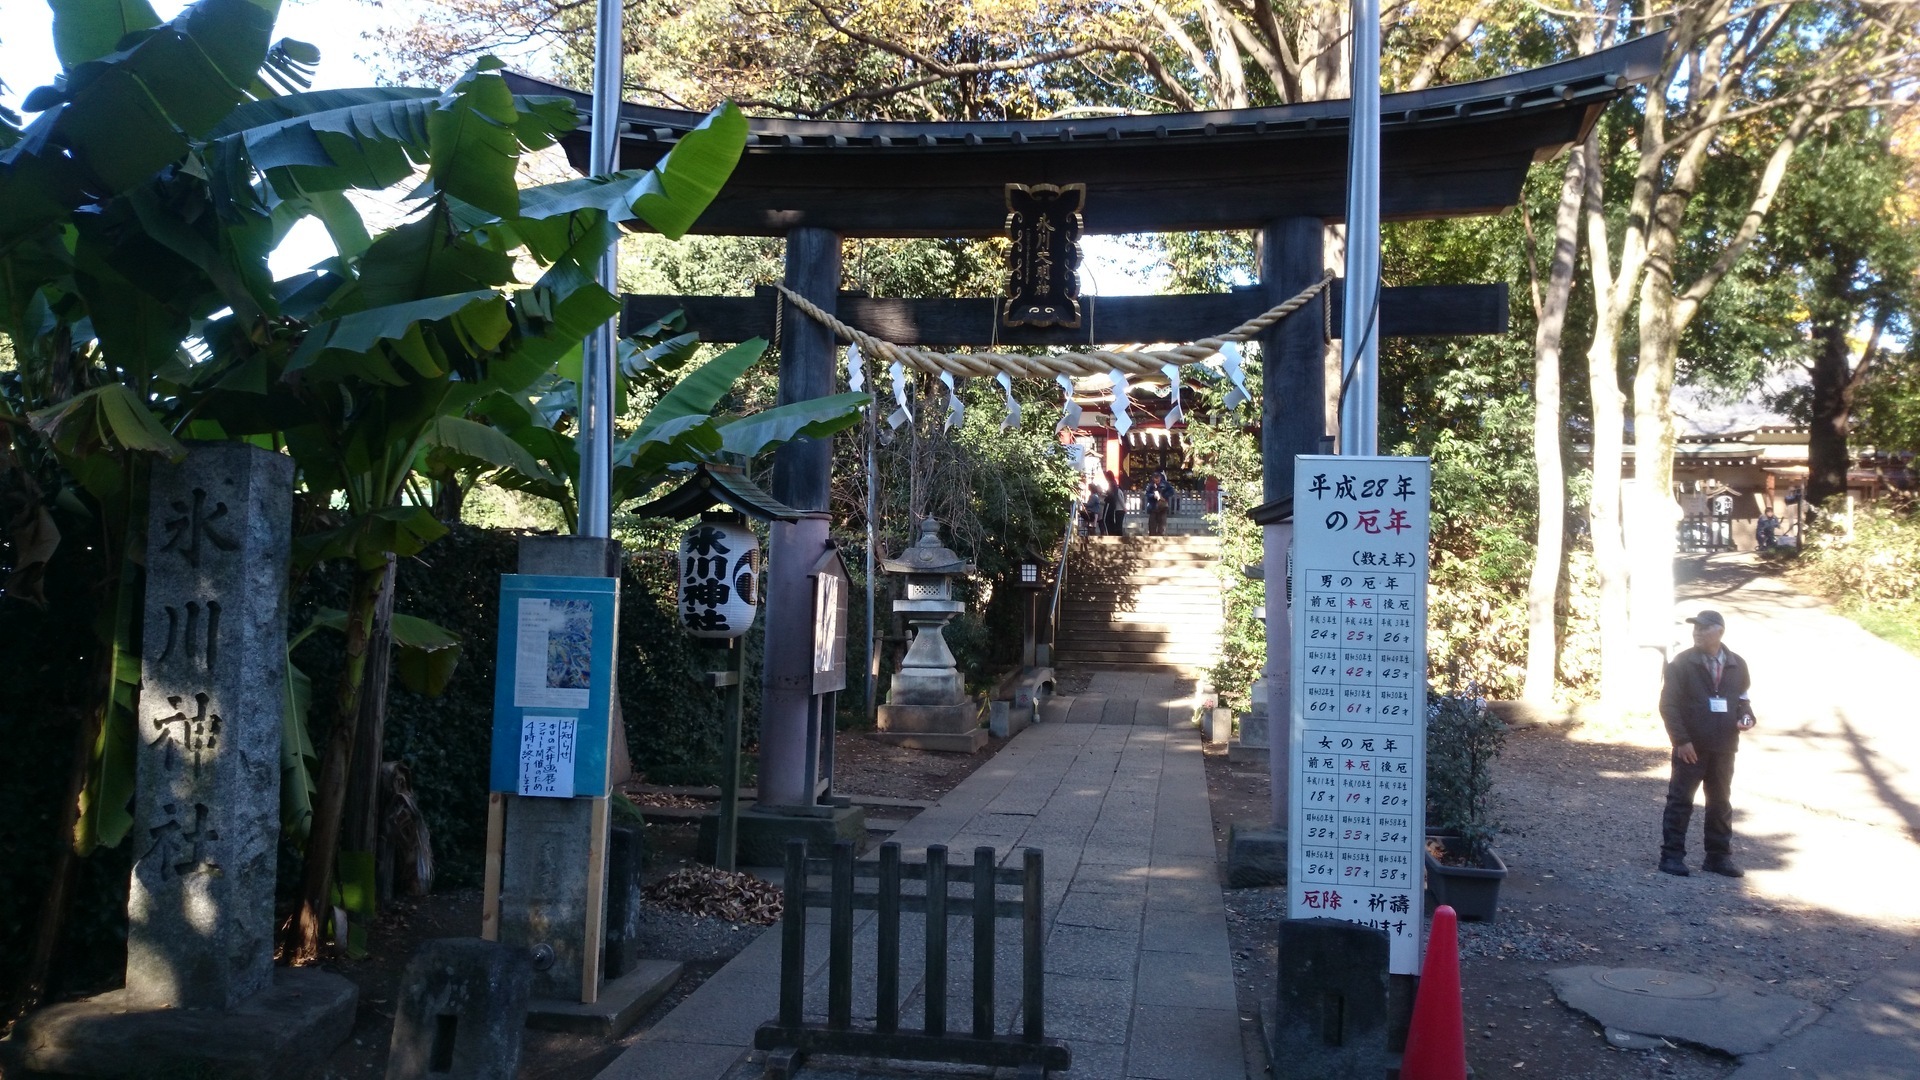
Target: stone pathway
{"x": 1139, "y": 971}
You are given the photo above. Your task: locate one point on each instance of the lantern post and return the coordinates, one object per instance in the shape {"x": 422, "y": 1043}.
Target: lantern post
{"x": 719, "y": 597}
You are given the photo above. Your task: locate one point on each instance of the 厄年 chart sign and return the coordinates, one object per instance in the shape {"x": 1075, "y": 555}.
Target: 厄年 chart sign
{"x": 553, "y": 685}
{"x": 1356, "y": 823}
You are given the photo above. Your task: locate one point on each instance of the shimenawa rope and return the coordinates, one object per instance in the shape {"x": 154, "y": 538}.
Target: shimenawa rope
{"x": 1147, "y": 362}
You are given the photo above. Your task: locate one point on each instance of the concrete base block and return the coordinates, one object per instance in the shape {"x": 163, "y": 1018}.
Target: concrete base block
{"x": 1256, "y": 857}
{"x": 288, "y": 1031}
{"x": 1239, "y": 751}
{"x": 462, "y": 1006}
{"x": 1218, "y": 726}
{"x": 621, "y": 1002}
{"x": 1254, "y": 729}
{"x": 1005, "y": 720}
{"x": 943, "y": 719}
{"x": 764, "y": 833}
{"x": 968, "y": 742}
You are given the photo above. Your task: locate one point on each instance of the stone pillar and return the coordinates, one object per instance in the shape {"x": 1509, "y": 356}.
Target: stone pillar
{"x": 213, "y": 686}
{"x": 1293, "y": 421}
{"x": 800, "y": 479}
{"x": 551, "y": 900}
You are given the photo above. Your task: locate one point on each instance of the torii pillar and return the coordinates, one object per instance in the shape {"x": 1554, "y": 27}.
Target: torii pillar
{"x": 791, "y": 713}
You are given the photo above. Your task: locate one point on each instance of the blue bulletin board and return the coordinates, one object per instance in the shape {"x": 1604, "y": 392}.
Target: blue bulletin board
{"x": 552, "y": 682}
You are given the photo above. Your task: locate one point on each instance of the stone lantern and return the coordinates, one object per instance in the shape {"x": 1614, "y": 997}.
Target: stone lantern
{"x": 927, "y": 706}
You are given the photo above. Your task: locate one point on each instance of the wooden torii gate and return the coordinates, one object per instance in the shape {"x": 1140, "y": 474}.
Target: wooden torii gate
{"x": 1446, "y": 151}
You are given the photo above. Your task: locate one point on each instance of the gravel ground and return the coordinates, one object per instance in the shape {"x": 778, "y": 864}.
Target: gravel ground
{"x": 1583, "y": 890}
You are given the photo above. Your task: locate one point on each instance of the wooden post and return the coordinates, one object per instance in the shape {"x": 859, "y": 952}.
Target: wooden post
{"x": 840, "y": 939}
{"x": 936, "y": 940}
{"x": 1033, "y": 946}
{"x": 800, "y": 480}
{"x": 596, "y": 936}
{"x": 1293, "y": 421}
{"x": 726, "y": 845}
{"x": 983, "y": 892}
{"x": 886, "y": 1016}
{"x": 490, "y": 889}
{"x": 1293, "y": 418}
{"x": 793, "y": 936}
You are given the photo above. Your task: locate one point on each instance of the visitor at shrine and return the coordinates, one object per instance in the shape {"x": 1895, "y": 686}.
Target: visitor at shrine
{"x": 1159, "y": 503}
{"x": 1093, "y": 502}
{"x": 1705, "y": 706}
{"x": 1116, "y": 509}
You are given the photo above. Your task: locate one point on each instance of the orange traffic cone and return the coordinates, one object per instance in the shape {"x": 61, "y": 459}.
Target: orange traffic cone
{"x": 1437, "y": 1039}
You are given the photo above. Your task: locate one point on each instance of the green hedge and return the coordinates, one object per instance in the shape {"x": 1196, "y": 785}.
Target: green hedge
{"x": 673, "y": 723}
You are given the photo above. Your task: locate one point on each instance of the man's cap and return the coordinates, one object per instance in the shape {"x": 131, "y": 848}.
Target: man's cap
{"x": 1709, "y": 617}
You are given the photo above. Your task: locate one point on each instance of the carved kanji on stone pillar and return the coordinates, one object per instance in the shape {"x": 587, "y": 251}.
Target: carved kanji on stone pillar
{"x": 213, "y": 684}
{"x": 1043, "y": 265}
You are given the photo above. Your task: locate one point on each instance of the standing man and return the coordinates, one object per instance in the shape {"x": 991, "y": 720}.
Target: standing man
{"x": 1705, "y": 706}
{"x": 1160, "y": 495}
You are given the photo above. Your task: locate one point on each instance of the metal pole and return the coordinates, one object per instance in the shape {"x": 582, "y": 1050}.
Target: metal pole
{"x": 595, "y": 441}
{"x": 1360, "y": 338}
{"x": 873, "y": 539}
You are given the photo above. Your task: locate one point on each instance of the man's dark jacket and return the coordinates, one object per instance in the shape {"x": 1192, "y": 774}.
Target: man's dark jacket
{"x": 1683, "y": 701}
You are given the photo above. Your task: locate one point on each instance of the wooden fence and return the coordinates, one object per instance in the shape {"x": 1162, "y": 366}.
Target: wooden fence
{"x": 790, "y": 1038}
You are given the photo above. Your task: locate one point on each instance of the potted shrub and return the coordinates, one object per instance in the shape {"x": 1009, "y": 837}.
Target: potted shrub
{"x": 1463, "y": 739}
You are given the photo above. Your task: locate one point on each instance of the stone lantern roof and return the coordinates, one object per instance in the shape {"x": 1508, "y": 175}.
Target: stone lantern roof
{"x": 928, "y": 555}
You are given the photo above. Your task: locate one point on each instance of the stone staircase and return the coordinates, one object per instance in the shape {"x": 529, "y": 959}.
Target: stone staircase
{"x": 1140, "y": 602}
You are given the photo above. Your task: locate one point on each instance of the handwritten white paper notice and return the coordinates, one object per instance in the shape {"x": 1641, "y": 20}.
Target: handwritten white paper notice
{"x": 546, "y": 756}
{"x": 552, "y": 645}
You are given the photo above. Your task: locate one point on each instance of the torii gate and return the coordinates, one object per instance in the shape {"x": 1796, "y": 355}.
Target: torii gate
{"x": 1446, "y": 151}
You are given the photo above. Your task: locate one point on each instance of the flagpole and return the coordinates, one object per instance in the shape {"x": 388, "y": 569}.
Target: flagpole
{"x": 1360, "y": 331}
{"x": 595, "y": 441}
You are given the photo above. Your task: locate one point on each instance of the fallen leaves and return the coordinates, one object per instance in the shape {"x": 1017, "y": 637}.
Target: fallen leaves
{"x": 718, "y": 894}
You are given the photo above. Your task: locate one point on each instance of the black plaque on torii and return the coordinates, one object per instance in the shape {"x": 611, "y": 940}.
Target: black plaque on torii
{"x": 1043, "y": 264}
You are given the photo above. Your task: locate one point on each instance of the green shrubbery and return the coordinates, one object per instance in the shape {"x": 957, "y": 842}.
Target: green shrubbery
{"x": 673, "y": 725}
{"x": 1463, "y": 739}
{"x": 1873, "y": 571}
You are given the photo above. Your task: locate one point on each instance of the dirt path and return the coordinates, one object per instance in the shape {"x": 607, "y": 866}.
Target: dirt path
{"x": 1826, "y": 824}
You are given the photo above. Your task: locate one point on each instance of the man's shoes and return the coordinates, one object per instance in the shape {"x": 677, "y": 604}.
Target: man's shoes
{"x": 1675, "y": 865}
{"x": 1720, "y": 864}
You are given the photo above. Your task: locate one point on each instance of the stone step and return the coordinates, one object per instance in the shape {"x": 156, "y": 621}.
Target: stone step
{"x": 1134, "y": 658}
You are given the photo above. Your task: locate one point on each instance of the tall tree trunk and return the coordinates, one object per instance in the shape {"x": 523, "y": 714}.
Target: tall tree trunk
{"x": 1650, "y": 515}
{"x": 1609, "y": 437}
{"x": 1833, "y": 385}
{"x": 360, "y": 818}
{"x": 302, "y": 943}
{"x": 1543, "y": 587}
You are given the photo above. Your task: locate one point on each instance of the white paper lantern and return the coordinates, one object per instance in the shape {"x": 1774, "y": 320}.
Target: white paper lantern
{"x": 719, "y": 577}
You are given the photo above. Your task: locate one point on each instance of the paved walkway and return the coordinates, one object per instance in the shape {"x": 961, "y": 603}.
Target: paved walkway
{"x": 1139, "y": 971}
{"x": 1827, "y": 802}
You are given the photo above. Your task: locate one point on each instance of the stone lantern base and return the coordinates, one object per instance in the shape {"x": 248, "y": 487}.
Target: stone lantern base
{"x": 950, "y": 728}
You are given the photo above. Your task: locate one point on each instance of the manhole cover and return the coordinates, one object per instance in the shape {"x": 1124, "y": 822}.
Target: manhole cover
{"x": 1660, "y": 984}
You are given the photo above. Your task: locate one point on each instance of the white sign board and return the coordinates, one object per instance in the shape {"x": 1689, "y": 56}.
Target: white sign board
{"x": 546, "y": 756}
{"x": 1356, "y": 827}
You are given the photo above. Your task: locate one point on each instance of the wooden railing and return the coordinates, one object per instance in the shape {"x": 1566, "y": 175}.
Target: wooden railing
{"x": 791, "y": 1037}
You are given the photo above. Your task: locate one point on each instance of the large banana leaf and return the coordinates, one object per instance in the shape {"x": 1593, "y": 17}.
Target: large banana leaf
{"x": 419, "y": 259}
{"x": 108, "y": 418}
{"x": 486, "y": 445}
{"x": 482, "y": 310}
{"x": 256, "y": 120}
{"x": 427, "y": 652}
{"x": 90, "y": 29}
{"x": 816, "y": 418}
{"x": 472, "y": 145}
{"x": 670, "y": 196}
{"x": 372, "y": 144}
{"x": 403, "y": 530}
{"x": 118, "y": 117}
{"x": 700, "y": 390}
